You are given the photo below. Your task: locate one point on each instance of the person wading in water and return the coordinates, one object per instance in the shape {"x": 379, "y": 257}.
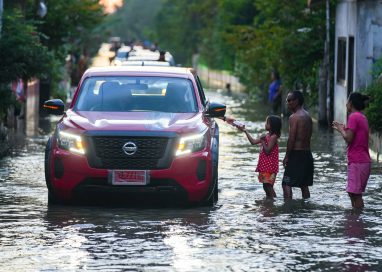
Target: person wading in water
{"x": 298, "y": 161}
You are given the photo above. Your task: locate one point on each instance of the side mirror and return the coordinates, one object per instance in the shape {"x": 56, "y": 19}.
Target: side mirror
{"x": 54, "y": 106}
{"x": 216, "y": 110}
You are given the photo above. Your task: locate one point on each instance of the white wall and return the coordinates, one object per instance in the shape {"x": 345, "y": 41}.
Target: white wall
{"x": 346, "y": 22}
{"x": 363, "y": 21}
{"x": 369, "y": 40}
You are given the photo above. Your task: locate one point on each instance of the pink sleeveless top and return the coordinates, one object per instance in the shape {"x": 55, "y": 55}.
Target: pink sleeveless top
{"x": 268, "y": 163}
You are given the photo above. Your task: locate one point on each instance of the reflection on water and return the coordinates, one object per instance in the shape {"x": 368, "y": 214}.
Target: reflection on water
{"x": 243, "y": 232}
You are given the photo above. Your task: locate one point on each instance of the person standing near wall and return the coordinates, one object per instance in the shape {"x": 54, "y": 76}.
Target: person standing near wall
{"x": 275, "y": 92}
{"x": 356, "y": 135}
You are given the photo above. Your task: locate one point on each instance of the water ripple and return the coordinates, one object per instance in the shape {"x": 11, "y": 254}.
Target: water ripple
{"x": 243, "y": 232}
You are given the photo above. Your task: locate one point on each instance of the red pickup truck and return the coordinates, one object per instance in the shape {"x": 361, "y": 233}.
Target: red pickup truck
{"x": 135, "y": 133}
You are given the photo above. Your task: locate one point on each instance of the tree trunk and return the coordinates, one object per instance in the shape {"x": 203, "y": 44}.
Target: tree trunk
{"x": 322, "y": 96}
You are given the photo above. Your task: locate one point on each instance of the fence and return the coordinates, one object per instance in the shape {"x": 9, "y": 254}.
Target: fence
{"x": 218, "y": 79}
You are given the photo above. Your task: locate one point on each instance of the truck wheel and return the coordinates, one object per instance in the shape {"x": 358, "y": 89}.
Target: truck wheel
{"x": 213, "y": 196}
{"x": 216, "y": 190}
{"x": 48, "y": 150}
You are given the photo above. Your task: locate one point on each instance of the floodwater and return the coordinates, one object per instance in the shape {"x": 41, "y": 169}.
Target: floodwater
{"x": 243, "y": 232}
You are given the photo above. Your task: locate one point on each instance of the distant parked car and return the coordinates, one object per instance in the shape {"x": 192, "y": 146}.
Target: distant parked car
{"x": 148, "y": 55}
{"x": 135, "y": 132}
{"x": 122, "y": 55}
{"x": 144, "y": 63}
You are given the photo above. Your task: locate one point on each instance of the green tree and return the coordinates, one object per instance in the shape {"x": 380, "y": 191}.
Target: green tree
{"x": 22, "y": 55}
{"x": 286, "y": 36}
{"x": 68, "y": 23}
{"x": 178, "y": 25}
{"x": 21, "y": 52}
{"x": 135, "y": 20}
{"x": 249, "y": 37}
{"x": 374, "y": 90}
{"x": 231, "y": 16}
{"x": 31, "y": 46}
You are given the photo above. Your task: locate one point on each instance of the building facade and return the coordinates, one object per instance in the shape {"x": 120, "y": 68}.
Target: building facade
{"x": 358, "y": 44}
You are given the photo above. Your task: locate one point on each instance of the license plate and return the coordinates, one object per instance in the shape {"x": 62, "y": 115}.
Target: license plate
{"x": 129, "y": 177}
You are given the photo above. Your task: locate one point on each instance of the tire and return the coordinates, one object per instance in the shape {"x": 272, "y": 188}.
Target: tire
{"x": 48, "y": 151}
{"x": 216, "y": 190}
{"x": 52, "y": 200}
{"x": 213, "y": 194}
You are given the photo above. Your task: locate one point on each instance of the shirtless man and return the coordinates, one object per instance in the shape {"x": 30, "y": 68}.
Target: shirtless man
{"x": 298, "y": 161}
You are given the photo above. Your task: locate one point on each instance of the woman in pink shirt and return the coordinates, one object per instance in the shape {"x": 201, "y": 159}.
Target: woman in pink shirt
{"x": 356, "y": 135}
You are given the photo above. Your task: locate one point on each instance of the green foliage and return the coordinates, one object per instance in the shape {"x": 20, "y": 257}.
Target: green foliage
{"x": 68, "y": 29}
{"x": 68, "y": 23}
{"x": 250, "y": 38}
{"x": 203, "y": 26}
{"x": 286, "y": 36}
{"x": 7, "y": 99}
{"x": 217, "y": 46}
{"x": 373, "y": 111}
{"x": 57, "y": 73}
{"x": 21, "y": 53}
{"x": 183, "y": 25}
{"x": 135, "y": 20}
{"x": 31, "y": 46}
{"x": 376, "y": 71}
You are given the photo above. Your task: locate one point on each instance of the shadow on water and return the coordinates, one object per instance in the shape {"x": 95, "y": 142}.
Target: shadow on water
{"x": 140, "y": 201}
{"x": 114, "y": 216}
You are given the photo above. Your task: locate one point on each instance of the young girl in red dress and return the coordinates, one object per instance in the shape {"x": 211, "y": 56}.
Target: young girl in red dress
{"x": 268, "y": 163}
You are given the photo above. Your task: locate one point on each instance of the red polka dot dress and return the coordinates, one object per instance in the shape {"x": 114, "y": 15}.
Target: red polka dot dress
{"x": 268, "y": 163}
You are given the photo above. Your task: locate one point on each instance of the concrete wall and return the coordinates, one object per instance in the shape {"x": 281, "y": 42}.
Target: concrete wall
{"x": 363, "y": 21}
{"x": 346, "y": 19}
{"x": 375, "y": 145}
{"x": 369, "y": 39}
{"x": 218, "y": 79}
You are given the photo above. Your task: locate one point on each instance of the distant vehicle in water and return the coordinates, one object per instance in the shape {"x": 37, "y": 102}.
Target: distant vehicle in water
{"x": 122, "y": 55}
{"x": 115, "y": 43}
{"x": 131, "y": 56}
{"x": 145, "y": 63}
{"x": 135, "y": 133}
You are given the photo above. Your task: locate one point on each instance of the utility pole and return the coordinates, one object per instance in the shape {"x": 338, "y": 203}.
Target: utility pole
{"x": 324, "y": 97}
{"x": 327, "y": 63}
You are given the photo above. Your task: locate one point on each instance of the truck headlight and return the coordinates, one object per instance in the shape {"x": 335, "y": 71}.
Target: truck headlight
{"x": 71, "y": 142}
{"x": 192, "y": 143}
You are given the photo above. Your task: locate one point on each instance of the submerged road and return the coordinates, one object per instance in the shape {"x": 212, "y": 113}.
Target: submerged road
{"x": 243, "y": 232}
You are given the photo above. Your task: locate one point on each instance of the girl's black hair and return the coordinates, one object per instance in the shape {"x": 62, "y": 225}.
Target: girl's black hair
{"x": 358, "y": 100}
{"x": 275, "y": 124}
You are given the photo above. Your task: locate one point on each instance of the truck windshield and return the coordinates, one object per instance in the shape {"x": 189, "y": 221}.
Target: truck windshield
{"x": 163, "y": 94}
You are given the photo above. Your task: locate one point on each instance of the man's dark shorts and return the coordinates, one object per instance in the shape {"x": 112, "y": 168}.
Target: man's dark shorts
{"x": 299, "y": 170}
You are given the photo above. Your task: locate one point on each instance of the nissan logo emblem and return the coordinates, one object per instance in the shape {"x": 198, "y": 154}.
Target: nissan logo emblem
{"x": 129, "y": 148}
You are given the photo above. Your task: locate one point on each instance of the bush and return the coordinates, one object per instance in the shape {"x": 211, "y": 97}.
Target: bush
{"x": 376, "y": 71}
{"x": 7, "y": 99}
{"x": 373, "y": 111}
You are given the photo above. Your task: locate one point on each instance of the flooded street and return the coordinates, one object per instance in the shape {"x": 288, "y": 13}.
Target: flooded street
{"x": 243, "y": 232}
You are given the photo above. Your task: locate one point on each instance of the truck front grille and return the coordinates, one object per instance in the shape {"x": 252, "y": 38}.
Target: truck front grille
{"x": 151, "y": 152}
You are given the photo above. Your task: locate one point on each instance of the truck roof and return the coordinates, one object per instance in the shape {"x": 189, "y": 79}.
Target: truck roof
{"x": 121, "y": 70}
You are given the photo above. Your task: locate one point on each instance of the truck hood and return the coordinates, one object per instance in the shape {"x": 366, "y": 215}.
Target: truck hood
{"x": 182, "y": 123}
